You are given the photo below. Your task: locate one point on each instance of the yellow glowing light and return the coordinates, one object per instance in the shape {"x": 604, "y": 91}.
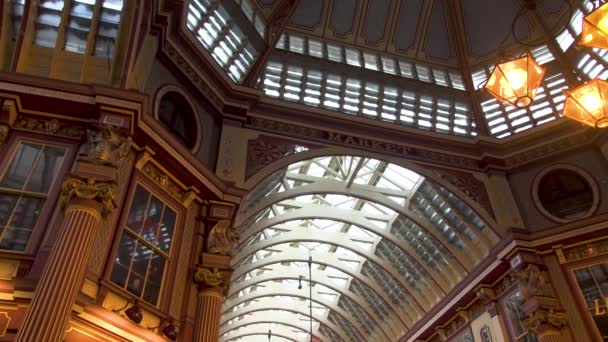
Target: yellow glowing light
{"x": 587, "y": 104}
{"x": 516, "y": 78}
{"x": 591, "y": 101}
{"x": 595, "y": 28}
{"x": 515, "y": 82}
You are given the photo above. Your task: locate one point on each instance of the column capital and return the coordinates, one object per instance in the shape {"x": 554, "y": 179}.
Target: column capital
{"x": 543, "y": 322}
{"x": 212, "y": 279}
{"x": 89, "y": 189}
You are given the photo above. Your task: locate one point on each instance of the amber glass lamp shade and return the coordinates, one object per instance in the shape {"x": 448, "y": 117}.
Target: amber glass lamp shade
{"x": 516, "y": 82}
{"x": 587, "y": 103}
{"x": 595, "y": 28}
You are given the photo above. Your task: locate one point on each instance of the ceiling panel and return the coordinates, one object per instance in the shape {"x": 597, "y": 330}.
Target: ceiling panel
{"x": 343, "y": 17}
{"x": 407, "y": 25}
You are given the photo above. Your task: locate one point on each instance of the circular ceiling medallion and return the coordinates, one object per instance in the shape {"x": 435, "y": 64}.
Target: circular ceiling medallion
{"x": 565, "y": 193}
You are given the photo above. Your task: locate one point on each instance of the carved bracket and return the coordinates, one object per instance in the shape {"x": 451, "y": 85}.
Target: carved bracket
{"x": 223, "y": 238}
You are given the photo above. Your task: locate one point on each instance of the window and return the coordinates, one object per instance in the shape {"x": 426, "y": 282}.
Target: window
{"x": 176, "y": 114}
{"x": 565, "y": 194}
{"x": 514, "y": 316}
{"x": 216, "y": 30}
{"x": 100, "y": 16}
{"x": 145, "y": 246}
{"x": 47, "y": 22}
{"x": 17, "y": 8}
{"x": 24, "y": 189}
{"x": 381, "y": 101}
{"x": 593, "y": 285}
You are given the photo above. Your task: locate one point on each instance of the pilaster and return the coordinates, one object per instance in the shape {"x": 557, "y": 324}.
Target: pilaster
{"x": 87, "y": 197}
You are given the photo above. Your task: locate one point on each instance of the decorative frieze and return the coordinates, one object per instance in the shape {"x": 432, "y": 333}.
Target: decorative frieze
{"x": 265, "y": 150}
{"x": 551, "y": 148}
{"x": 155, "y": 172}
{"x": 49, "y": 126}
{"x": 342, "y": 139}
{"x": 469, "y": 185}
{"x": 589, "y": 250}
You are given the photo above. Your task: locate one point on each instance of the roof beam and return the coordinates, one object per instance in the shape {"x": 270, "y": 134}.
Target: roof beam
{"x": 406, "y": 314}
{"x": 281, "y": 290}
{"x": 274, "y": 28}
{"x": 268, "y": 304}
{"x": 328, "y": 186}
{"x": 319, "y": 277}
{"x": 456, "y": 28}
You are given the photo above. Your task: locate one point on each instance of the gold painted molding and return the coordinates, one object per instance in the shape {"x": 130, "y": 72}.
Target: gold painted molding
{"x": 154, "y": 171}
{"x": 4, "y": 130}
{"x": 89, "y": 189}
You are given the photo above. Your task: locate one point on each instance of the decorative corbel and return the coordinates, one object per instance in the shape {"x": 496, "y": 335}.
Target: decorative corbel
{"x": 222, "y": 239}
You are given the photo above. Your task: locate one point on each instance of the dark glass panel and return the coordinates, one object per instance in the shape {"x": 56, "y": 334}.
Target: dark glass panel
{"x": 141, "y": 259}
{"x": 20, "y": 166}
{"x": 565, "y": 194}
{"x": 138, "y": 209}
{"x": 175, "y": 113}
{"x": 7, "y": 205}
{"x": 600, "y": 272}
{"x": 135, "y": 285}
{"x": 152, "y": 222}
{"x": 586, "y": 283}
{"x": 166, "y": 230}
{"x": 46, "y": 169}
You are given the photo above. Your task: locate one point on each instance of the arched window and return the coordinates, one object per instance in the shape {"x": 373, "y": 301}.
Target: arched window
{"x": 176, "y": 114}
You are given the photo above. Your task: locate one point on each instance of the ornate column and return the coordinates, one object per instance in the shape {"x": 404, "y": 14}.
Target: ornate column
{"x": 88, "y": 195}
{"x": 212, "y": 276}
{"x": 543, "y": 314}
{"x": 211, "y": 283}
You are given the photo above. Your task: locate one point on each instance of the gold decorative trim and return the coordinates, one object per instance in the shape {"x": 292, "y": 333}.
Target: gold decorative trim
{"x": 209, "y": 277}
{"x": 48, "y": 126}
{"x": 545, "y": 322}
{"x": 89, "y": 189}
{"x": 4, "y": 130}
{"x": 83, "y": 208}
{"x": 222, "y": 239}
{"x": 585, "y": 250}
{"x": 154, "y": 171}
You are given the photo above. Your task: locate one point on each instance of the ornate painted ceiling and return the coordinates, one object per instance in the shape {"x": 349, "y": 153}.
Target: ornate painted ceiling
{"x": 424, "y": 30}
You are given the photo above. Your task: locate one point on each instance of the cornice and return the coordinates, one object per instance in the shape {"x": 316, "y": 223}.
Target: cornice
{"x": 90, "y": 101}
{"x": 247, "y": 105}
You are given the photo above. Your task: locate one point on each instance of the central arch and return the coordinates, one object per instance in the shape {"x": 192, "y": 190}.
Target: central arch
{"x": 387, "y": 244}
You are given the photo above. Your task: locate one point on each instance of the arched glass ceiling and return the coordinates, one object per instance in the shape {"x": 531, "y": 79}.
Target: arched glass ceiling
{"x": 386, "y": 246}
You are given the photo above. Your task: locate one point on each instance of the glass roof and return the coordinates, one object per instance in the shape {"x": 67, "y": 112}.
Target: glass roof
{"x": 386, "y": 85}
{"x": 386, "y": 246}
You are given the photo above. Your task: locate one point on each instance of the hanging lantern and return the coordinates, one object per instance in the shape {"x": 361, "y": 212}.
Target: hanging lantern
{"x": 595, "y": 28}
{"x": 516, "y": 82}
{"x": 587, "y": 103}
